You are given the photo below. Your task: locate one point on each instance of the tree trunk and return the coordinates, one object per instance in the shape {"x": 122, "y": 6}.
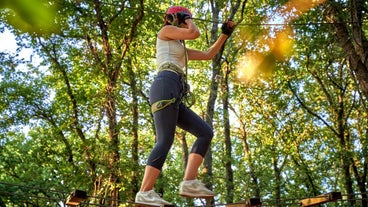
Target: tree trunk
{"x": 227, "y": 140}
{"x": 355, "y": 44}
{"x": 249, "y": 159}
{"x": 134, "y": 136}
{"x": 110, "y": 106}
{"x": 212, "y": 99}
{"x": 216, "y": 66}
{"x": 111, "y": 67}
{"x": 278, "y": 180}
{"x": 184, "y": 147}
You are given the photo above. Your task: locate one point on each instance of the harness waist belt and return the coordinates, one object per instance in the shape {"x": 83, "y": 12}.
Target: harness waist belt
{"x": 171, "y": 67}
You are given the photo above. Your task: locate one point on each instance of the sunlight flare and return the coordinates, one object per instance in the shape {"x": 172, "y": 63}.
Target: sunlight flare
{"x": 277, "y": 41}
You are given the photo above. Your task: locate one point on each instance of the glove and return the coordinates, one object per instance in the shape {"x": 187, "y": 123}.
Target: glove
{"x": 182, "y": 16}
{"x": 226, "y": 29}
{"x": 172, "y": 19}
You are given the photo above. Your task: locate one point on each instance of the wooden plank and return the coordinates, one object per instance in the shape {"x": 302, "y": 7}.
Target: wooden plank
{"x": 324, "y": 198}
{"x": 76, "y": 197}
{"x": 235, "y": 205}
{"x": 247, "y": 203}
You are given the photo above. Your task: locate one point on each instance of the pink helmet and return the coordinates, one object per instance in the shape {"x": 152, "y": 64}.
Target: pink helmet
{"x": 176, "y": 9}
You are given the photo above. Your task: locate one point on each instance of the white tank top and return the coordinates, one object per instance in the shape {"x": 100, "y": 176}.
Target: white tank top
{"x": 170, "y": 51}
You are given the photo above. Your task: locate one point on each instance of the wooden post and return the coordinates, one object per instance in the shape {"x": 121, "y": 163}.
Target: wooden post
{"x": 247, "y": 203}
{"x": 324, "y": 198}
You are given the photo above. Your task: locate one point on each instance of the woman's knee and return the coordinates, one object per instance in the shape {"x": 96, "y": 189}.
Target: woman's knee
{"x": 207, "y": 133}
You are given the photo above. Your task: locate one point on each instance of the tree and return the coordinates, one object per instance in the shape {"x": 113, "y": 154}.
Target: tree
{"x": 334, "y": 106}
{"x": 216, "y": 66}
{"x": 351, "y": 37}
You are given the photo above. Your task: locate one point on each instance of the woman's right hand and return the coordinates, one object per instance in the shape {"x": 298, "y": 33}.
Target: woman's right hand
{"x": 182, "y": 16}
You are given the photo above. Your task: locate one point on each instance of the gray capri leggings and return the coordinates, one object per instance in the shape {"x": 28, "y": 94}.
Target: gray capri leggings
{"x": 168, "y": 85}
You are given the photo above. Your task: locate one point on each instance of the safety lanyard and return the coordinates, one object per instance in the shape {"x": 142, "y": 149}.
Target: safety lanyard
{"x": 186, "y": 60}
{"x": 188, "y": 96}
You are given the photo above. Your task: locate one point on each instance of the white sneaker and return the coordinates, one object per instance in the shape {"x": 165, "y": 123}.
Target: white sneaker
{"x": 194, "y": 189}
{"x": 150, "y": 198}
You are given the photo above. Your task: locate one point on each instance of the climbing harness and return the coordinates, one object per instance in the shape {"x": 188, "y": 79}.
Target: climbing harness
{"x": 171, "y": 67}
{"x": 186, "y": 96}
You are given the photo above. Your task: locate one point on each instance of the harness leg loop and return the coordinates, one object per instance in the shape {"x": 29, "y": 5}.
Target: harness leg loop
{"x": 161, "y": 104}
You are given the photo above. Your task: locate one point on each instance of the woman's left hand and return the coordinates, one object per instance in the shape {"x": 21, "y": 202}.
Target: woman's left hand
{"x": 228, "y": 27}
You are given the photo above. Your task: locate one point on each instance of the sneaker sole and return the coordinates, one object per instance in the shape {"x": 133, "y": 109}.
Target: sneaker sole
{"x": 152, "y": 205}
{"x": 196, "y": 195}
{"x": 147, "y": 205}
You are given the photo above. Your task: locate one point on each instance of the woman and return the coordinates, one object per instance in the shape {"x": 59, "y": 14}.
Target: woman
{"x": 169, "y": 110}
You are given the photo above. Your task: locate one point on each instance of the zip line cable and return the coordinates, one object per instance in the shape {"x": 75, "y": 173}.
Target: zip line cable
{"x": 243, "y": 24}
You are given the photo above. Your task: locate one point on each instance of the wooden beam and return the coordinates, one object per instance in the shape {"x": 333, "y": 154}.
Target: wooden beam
{"x": 247, "y": 203}
{"x": 324, "y": 198}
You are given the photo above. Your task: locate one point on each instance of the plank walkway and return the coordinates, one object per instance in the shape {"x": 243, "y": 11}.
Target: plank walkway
{"x": 80, "y": 198}
{"x": 77, "y": 197}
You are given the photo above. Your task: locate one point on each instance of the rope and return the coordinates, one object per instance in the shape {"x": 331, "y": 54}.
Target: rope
{"x": 188, "y": 96}
{"x": 244, "y": 24}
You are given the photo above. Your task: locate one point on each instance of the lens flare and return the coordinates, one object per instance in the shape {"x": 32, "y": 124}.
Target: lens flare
{"x": 278, "y": 42}
{"x": 299, "y": 7}
{"x": 247, "y": 66}
{"x": 282, "y": 45}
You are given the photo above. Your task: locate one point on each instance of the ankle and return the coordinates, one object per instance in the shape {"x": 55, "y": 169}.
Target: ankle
{"x": 145, "y": 190}
{"x": 189, "y": 180}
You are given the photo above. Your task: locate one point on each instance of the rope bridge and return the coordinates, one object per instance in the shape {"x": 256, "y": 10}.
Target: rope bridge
{"x": 26, "y": 194}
